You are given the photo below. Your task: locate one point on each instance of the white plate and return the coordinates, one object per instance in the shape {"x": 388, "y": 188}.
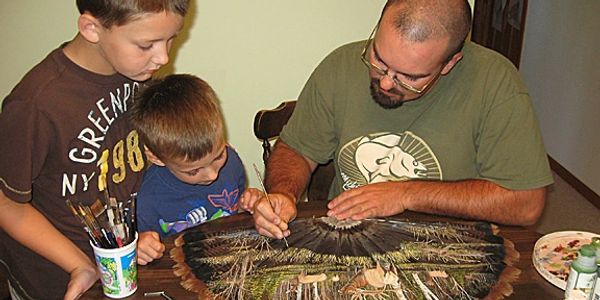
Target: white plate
{"x": 553, "y": 253}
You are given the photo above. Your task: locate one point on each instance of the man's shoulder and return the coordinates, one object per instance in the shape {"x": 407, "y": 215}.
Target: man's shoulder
{"x": 352, "y": 46}
{"x": 485, "y": 57}
{"x": 491, "y": 68}
{"x": 344, "y": 59}
{"x": 350, "y": 49}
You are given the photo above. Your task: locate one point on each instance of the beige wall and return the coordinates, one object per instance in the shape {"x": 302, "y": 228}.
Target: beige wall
{"x": 561, "y": 66}
{"x": 254, "y": 53}
{"x": 29, "y": 30}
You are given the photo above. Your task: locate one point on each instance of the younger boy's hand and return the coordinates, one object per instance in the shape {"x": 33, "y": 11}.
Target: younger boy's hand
{"x": 249, "y": 199}
{"x": 149, "y": 247}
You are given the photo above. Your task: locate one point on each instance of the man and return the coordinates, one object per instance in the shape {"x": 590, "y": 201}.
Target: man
{"x": 429, "y": 125}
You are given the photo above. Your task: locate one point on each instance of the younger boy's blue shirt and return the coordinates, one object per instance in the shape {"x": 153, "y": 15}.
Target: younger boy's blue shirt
{"x": 168, "y": 206}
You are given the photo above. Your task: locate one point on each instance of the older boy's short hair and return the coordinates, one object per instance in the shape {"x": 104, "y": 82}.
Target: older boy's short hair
{"x": 178, "y": 117}
{"x": 121, "y": 12}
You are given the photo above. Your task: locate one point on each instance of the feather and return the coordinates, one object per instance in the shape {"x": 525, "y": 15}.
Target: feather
{"x": 327, "y": 259}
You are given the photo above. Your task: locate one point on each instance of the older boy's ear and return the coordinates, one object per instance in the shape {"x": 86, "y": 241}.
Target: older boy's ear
{"x": 88, "y": 27}
{"x": 153, "y": 158}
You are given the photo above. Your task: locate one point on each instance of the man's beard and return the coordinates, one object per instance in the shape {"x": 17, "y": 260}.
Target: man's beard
{"x": 384, "y": 100}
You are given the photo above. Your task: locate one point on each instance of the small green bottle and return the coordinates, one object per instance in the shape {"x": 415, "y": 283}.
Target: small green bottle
{"x": 596, "y": 243}
{"x": 596, "y": 293}
{"x": 582, "y": 274}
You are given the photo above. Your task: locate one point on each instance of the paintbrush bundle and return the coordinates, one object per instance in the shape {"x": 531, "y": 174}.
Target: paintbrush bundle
{"x": 110, "y": 225}
{"x": 369, "y": 259}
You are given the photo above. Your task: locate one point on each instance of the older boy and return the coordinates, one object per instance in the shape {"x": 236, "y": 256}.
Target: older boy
{"x": 54, "y": 129}
{"x": 196, "y": 176}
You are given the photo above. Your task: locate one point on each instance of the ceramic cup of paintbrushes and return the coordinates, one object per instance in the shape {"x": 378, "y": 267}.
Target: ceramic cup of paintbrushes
{"x": 118, "y": 269}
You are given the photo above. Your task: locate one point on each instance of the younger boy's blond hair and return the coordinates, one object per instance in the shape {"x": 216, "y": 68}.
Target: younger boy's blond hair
{"x": 178, "y": 117}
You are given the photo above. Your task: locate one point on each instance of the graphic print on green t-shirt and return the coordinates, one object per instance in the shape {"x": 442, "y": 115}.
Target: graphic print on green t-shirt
{"x": 382, "y": 157}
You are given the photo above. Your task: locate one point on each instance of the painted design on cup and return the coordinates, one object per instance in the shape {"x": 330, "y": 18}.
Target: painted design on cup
{"x": 130, "y": 270}
{"x": 108, "y": 270}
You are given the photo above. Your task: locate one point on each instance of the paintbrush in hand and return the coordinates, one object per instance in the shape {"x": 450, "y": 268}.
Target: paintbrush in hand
{"x": 262, "y": 185}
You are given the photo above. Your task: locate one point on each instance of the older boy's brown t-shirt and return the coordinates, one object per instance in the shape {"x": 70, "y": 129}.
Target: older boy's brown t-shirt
{"x": 54, "y": 129}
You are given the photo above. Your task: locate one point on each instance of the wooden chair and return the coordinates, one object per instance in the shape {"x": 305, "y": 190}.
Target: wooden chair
{"x": 267, "y": 126}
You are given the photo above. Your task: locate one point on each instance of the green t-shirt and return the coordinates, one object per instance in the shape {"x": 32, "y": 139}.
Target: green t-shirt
{"x": 476, "y": 122}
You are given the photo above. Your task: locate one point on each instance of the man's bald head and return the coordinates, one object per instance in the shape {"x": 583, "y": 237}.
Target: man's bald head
{"x": 421, "y": 20}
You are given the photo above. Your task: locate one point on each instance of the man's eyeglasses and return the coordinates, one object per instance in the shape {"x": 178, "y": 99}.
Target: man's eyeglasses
{"x": 382, "y": 72}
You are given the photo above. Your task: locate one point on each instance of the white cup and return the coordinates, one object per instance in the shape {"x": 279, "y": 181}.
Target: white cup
{"x": 118, "y": 269}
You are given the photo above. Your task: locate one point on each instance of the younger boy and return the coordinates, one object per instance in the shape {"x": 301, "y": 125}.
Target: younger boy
{"x": 196, "y": 176}
{"x": 54, "y": 132}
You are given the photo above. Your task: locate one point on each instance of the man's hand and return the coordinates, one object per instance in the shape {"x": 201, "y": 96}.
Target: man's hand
{"x": 82, "y": 279}
{"x": 249, "y": 199}
{"x": 149, "y": 247}
{"x": 368, "y": 201}
{"x": 470, "y": 199}
{"x": 271, "y": 219}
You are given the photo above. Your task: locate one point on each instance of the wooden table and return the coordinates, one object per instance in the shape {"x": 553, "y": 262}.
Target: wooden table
{"x": 158, "y": 276}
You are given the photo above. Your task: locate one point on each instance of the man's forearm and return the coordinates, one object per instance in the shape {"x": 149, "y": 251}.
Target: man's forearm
{"x": 287, "y": 172}
{"x": 474, "y": 199}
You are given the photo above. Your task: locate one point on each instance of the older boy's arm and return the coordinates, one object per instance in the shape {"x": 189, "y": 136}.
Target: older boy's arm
{"x": 472, "y": 199}
{"x": 29, "y": 227}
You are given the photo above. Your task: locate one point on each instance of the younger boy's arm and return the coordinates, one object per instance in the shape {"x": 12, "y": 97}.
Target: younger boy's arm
{"x": 28, "y": 226}
{"x": 149, "y": 247}
{"x": 249, "y": 199}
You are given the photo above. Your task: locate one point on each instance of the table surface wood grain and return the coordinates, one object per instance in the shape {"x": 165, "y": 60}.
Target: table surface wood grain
{"x": 158, "y": 275}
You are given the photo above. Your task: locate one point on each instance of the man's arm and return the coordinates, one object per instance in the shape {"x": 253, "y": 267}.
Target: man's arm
{"x": 287, "y": 176}
{"x": 288, "y": 172}
{"x": 28, "y": 226}
{"x": 472, "y": 199}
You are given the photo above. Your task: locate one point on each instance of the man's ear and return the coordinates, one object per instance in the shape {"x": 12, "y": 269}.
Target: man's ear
{"x": 88, "y": 27}
{"x": 153, "y": 158}
{"x": 453, "y": 61}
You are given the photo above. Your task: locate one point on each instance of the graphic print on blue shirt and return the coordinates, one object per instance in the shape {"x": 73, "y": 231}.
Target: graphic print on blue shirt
{"x": 227, "y": 201}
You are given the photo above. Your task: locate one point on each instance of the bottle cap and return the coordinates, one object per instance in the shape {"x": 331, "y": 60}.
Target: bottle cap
{"x": 587, "y": 250}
